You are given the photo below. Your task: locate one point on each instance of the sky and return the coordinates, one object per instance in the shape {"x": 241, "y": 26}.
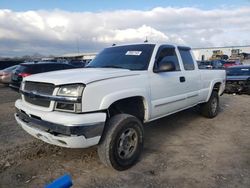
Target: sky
{"x": 61, "y": 26}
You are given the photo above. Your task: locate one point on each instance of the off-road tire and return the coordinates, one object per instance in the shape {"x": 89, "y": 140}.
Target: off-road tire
{"x": 208, "y": 109}
{"x": 108, "y": 148}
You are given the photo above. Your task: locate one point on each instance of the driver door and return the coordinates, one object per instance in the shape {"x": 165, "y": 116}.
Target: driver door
{"x": 168, "y": 89}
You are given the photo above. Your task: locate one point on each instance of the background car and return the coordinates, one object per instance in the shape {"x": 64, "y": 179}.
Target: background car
{"x": 9, "y": 63}
{"x": 214, "y": 64}
{"x": 238, "y": 79}
{"x": 5, "y": 74}
{"x": 231, "y": 63}
{"x": 26, "y": 69}
{"x": 78, "y": 63}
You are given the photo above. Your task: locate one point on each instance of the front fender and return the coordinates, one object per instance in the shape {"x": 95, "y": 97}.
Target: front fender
{"x": 109, "y": 99}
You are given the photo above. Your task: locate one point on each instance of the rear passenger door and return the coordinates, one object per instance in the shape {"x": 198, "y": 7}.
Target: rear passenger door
{"x": 168, "y": 89}
{"x": 191, "y": 75}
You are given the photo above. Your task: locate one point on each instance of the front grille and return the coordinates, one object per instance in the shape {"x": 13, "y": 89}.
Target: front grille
{"x": 38, "y": 102}
{"x": 41, "y": 88}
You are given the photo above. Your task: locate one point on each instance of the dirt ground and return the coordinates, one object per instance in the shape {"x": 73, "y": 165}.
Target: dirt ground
{"x": 183, "y": 150}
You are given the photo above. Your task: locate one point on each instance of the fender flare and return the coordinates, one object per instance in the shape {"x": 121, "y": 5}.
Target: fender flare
{"x": 108, "y": 100}
{"x": 221, "y": 89}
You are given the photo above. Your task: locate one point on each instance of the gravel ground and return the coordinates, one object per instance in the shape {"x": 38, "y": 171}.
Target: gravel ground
{"x": 182, "y": 150}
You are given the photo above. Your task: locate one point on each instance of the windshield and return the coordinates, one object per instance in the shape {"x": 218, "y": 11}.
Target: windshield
{"x": 241, "y": 71}
{"x": 132, "y": 57}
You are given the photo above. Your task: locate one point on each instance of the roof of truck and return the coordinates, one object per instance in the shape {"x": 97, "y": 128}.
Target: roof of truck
{"x": 150, "y": 43}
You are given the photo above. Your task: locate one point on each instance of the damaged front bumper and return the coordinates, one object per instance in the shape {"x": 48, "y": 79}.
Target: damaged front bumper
{"x": 85, "y": 130}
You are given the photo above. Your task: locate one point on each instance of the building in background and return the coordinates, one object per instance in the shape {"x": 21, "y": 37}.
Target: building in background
{"x": 78, "y": 56}
{"x": 236, "y": 53}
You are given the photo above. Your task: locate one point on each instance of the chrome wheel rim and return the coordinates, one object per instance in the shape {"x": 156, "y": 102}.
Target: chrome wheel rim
{"x": 127, "y": 143}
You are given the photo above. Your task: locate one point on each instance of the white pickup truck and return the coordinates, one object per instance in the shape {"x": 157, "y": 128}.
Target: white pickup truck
{"x": 107, "y": 103}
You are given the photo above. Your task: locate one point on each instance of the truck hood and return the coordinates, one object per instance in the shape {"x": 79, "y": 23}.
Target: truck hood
{"x": 80, "y": 75}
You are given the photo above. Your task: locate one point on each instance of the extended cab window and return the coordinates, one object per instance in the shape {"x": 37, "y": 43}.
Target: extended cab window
{"x": 168, "y": 55}
{"x": 187, "y": 58}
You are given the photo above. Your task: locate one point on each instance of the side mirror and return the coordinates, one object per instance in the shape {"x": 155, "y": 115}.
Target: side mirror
{"x": 165, "y": 66}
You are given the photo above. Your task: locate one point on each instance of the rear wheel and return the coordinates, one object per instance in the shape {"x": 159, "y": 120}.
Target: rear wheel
{"x": 210, "y": 109}
{"x": 122, "y": 142}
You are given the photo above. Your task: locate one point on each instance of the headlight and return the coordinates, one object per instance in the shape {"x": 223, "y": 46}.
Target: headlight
{"x": 75, "y": 91}
{"x": 70, "y": 90}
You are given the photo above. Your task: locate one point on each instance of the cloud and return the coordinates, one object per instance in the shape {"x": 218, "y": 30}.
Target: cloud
{"x": 58, "y": 31}
{"x": 132, "y": 34}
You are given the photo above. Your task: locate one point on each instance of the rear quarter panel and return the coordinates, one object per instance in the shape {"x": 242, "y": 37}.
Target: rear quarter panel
{"x": 209, "y": 79}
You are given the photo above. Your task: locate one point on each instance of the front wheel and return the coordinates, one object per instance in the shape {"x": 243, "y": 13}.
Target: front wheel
{"x": 211, "y": 107}
{"x": 122, "y": 142}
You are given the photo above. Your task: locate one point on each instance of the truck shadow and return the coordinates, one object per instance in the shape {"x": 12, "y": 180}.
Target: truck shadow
{"x": 170, "y": 130}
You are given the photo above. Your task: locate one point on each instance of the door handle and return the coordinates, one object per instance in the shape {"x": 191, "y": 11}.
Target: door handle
{"x": 182, "y": 79}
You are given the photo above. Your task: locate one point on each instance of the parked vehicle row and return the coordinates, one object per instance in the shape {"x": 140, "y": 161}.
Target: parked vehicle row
{"x": 217, "y": 64}
{"x": 13, "y": 75}
{"x": 26, "y": 69}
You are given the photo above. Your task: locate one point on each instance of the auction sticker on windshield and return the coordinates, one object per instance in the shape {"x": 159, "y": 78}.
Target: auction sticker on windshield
{"x": 136, "y": 53}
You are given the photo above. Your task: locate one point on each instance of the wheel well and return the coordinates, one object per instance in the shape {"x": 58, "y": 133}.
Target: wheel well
{"x": 132, "y": 105}
{"x": 217, "y": 86}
